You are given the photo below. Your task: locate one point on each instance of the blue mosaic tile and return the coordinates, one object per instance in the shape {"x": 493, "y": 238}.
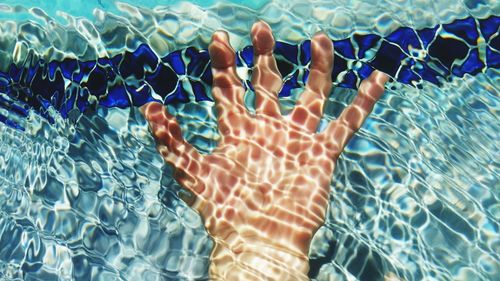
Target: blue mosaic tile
{"x": 130, "y": 79}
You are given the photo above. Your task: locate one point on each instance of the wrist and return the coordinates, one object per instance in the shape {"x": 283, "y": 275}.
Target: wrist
{"x": 257, "y": 260}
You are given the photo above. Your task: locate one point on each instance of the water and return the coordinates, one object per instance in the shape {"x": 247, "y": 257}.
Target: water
{"x": 414, "y": 196}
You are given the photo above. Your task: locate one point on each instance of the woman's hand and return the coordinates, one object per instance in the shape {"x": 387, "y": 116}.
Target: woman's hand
{"x": 263, "y": 192}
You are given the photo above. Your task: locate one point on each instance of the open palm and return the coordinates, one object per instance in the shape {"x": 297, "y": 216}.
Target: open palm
{"x": 263, "y": 191}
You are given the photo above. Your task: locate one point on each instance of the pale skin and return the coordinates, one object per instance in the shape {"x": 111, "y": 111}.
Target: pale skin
{"x": 263, "y": 191}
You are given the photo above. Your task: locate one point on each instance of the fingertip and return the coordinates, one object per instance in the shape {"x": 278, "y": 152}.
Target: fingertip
{"x": 220, "y": 36}
{"x": 321, "y": 41}
{"x": 256, "y": 25}
{"x": 259, "y": 25}
{"x": 221, "y": 53}
{"x": 150, "y": 108}
{"x": 374, "y": 85}
{"x": 381, "y": 77}
{"x": 322, "y": 53}
{"x": 262, "y": 38}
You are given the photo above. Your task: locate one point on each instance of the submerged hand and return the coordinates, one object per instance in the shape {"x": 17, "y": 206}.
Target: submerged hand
{"x": 263, "y": 192}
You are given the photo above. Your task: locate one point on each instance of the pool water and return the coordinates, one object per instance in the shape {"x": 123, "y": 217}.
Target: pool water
{"x": 84, "y": 195}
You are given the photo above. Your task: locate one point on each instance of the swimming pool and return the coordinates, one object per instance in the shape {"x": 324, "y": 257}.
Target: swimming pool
{"x": 85, "y": 196}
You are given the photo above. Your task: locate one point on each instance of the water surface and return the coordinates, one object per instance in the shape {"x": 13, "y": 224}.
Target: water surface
{"x": 414, "y": 196}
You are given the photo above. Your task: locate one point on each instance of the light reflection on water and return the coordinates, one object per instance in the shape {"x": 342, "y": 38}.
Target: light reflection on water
{"x": 414, "y": 195}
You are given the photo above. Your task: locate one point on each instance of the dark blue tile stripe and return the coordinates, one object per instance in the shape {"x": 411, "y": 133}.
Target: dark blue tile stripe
{"x": 130, "y": 79}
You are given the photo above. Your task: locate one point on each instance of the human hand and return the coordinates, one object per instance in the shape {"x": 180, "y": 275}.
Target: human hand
{"x": 263, "y": 191}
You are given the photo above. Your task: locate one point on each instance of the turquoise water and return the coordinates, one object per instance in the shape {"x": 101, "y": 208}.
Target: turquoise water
{"x": 414, "y": 196}
{"x": 86, "y": 8}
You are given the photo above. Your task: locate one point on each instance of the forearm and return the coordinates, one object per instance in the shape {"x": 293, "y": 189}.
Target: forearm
{"x": 257, "y": 260}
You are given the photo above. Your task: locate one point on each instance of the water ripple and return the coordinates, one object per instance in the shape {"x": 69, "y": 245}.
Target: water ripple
{"x": 414, "y": 196}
